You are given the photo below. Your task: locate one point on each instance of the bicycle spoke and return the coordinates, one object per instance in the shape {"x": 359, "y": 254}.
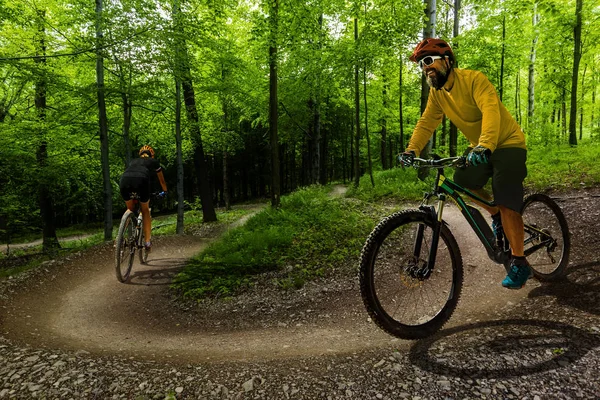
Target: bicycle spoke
{"x": 546, "y": 237}
{"x": 406, "y": 297}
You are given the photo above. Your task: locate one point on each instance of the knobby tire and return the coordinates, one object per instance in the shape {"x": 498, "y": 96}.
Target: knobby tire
{"x": 376, "y": 262}
{"x": 125, "y": 246}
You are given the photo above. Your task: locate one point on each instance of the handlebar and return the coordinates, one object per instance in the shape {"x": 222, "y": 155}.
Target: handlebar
{"x": 453, "y": 162}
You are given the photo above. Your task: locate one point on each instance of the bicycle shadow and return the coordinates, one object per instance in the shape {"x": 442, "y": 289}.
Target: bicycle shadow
{"x": 580, "y": 289}
{"x": 502, "y": 349}
{"x": 156, "y": 272}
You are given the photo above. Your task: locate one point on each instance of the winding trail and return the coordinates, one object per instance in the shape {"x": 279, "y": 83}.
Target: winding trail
{"x": 80, "y": 305}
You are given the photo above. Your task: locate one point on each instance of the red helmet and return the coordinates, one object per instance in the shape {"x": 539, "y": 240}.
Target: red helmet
{"x": 431, "y": 47}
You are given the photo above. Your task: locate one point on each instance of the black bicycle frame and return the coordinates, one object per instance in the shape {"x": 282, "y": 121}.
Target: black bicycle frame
{"x": 445, "y": 187}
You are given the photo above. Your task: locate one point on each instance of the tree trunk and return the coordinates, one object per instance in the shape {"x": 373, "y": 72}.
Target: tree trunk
{"x": 576, "y": 60}
{"x": 178, "y": 143}
{"x": 369, "y": 158}
{"x": 273, "y": 112}
{"x": 103, "y": 122}
{"x": 49, "y": 239}
{"x": 564, "y": 112}
{"x": 531, "y": 84}
{"x": 127, "y": 108}
{"x": 401, "y": 143}
{"x": 356, "y": 108}
{"x": 503, "y": 55}
{"x": 315, "y": 141}
{"x": 428, "y": 31}
{"x": 593, "y": 97}
{"x": 453, "y": 139}
{"x": 208, "y": 210}
{"x": 518, "y": 96}
{"x": 581, "y": 105}
{"x": 444, "y": 131}
{"x": 324, "y": 153}
{"x": 384, "y": 159}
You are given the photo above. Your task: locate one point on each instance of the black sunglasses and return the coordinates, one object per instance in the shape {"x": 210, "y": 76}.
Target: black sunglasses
{"x": 427, "y": 61}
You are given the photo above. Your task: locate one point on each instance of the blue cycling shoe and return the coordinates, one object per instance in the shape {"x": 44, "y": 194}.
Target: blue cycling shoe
{"x": 519, "y": 273}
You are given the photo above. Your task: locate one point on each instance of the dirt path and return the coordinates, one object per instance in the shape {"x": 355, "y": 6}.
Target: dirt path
{"x": 81, "y": 306}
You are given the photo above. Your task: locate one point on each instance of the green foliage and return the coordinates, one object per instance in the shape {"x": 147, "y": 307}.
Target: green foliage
{"x": 396, "y": 183}
{"x": 563, "y": 167}
{"x": 307, "y": 236}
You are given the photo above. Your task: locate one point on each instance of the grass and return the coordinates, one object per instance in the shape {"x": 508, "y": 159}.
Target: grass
{"x": 563, "y": 167}
{"x": 308, "y": 236}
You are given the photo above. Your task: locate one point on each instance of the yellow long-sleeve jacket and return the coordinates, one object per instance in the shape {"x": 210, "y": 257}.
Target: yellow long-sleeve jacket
{"x": 475, "y": 108}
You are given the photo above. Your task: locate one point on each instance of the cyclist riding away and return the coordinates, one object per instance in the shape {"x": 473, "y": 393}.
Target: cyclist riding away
{"x": 497, "y": 144}
{"x": 136, "y": 180}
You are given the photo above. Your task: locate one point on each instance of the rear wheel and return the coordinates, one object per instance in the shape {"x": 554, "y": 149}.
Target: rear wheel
{"x": 125, "y": 246}
{"x": 547, "y": 238}
{"x": 402, "y": 295}
{"x": 142, "y": 253}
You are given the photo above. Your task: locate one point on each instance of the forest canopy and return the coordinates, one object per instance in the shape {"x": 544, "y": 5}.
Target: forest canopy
{"x": 244, "y": 99}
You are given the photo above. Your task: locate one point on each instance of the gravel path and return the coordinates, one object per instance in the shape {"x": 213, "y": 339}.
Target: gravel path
{"x": 542, "y": 342}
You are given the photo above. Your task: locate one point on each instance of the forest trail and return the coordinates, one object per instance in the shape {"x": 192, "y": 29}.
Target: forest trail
{"x": 81, "y": 306}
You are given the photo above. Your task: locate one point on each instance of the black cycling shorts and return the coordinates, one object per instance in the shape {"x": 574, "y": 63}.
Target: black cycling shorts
{"x": 506, "y": 168}
{"x": 132, "y": 184}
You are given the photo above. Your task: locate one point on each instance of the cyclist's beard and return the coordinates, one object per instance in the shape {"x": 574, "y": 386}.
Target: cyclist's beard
{"x": 438, "y": 78}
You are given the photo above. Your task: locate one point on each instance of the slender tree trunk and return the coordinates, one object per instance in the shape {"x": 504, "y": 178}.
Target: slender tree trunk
{"x": 401, "y": 143}
{"x": 201, "y": 166}
{"x": 127, "y": 109}
{"x": 576, "y": 60}
{"x": 581, "y": 103}
{"x": 384, "y": 163}
{"x": 315, "y": 142}
{"x": 103, "y": 123}
{"x": 369, "y": 157}
{"x": 49, "y": 239}
{"x": 518, "y": 96}
{"x": 453, "y": 139}
{"x": 593, "y": 98}
{"x": 428, "y": 31}
{"x": 273, "y": 112}
{"x": 564, "y": 112}
{"x": 444, "y": 131}
{"x": 532, "y": 56}
{"x": 503, "y": 55}
{"x": 178, "y": 143}
{"x": 356, "y": 108}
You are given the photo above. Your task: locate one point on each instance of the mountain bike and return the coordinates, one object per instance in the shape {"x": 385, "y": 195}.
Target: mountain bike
{"x": 130, "y": 240}
{"x": 411, "y": 269}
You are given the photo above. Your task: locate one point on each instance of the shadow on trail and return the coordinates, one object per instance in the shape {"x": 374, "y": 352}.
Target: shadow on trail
{"x": 580, "y": 289}
{"x": 156, "y": 272}
{"x": 502, "y": 349}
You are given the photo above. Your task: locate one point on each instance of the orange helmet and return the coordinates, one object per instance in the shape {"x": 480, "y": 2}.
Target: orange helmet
{"x": 148, "y": 150}
{"x": 431, "y": 47}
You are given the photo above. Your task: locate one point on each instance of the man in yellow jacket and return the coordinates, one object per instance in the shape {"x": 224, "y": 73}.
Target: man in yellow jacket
{"x": 497, "y": 144}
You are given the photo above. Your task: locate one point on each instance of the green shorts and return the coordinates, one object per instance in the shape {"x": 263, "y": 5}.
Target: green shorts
{"x": 506, "y": 168}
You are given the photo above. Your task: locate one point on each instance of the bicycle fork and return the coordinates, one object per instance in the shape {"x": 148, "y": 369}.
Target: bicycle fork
{"x": 435, "y": 238}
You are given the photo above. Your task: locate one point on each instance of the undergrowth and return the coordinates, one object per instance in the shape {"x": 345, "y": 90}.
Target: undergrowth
{"x": 306, "y": 237}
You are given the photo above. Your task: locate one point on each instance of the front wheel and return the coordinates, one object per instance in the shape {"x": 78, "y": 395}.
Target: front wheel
{"x": 547, "y": 238}
{"x": 125, "y": 246}
{"x": 401, "y": 294}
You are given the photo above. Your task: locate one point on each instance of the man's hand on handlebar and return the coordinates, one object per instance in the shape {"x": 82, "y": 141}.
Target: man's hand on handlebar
{"x": 479, "y": 155}
{"x": 407, "y": 158}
